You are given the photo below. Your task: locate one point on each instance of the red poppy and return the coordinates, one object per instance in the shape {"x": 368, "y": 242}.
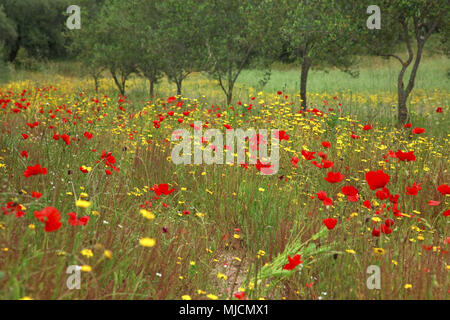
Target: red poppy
{"x": 281, "y": 135}
{"x": 66, "y": 139}
{"x": 327, "y": 202}
{"x": 385, "y": 229}
{"x": 264, "y": 168}
{"x": 444, "y": 189}
{"x": 389, "y": 222}
{"x": 408, "y": 125}
{"x": 25, "y": 136}
{"x": 171, "y": 99}
{"x": 163, "y": 188}
{"x": 293, "y": 262}
{"x": 321, "y": 195}
{"x": 240, "y": 295}
{"x": 377, "y": 179}
{"x": 308, "y": 155}
{"x": 327, "y": 164}
{"x": 446, "y": 213}
{"x": 36, "y": 195}
{"x": 294, "y": 161}
{"x": 367, "y": 204}
{"x": 34, "y": 170}
{"x": 24, "y": 154}
{"x": 433, "y": 203}
{"x": 334, "y": 177}
{"x": 51, "y": 217}
{"x": 330, "y": 223}
{"x": 88, "y": 135}
{"x": 418, "y": 130}
{"x": 367, "y": 127}
{"x": 412, "y": 191}
{"x": 326, "y": 144}
{"x": 383, "y": 194}
{"x": 32, "y": 125}
{"x": 322, "y": 155}
{"x": 376, "y": 232}
{"x": 405, "y": 156}
{"x": 351, "y": 192}
{"x": 439, "y": 110}
{"x": 84, "y": 170}
{"x": 77, "y": 222}
{"x": 318, "y": 165}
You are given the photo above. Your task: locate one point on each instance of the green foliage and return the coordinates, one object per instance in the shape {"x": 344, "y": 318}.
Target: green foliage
{"x": 274, "y": 271}
{"x": 410, "y": 23}
{"x": 180, "y": 34}
{"x": 39, "y": 25}
{"x": 320, "y": 30}
{"x": 25, "y": 61}
{"x": 150, "y": 62}
{"x": 421, "y": 19}
{"x": 238, "y": 32}
{"x": 4, "y": 70}
{"x": 83, "y": 40}
{"x": 8, "y": 32}
{"x": 319, "y": 33}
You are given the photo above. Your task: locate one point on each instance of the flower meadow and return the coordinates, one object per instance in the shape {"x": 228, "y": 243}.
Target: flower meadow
{"x": 87, "y": 179}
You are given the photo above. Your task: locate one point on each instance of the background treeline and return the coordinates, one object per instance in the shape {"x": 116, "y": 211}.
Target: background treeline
{"x": 174, "y": 38}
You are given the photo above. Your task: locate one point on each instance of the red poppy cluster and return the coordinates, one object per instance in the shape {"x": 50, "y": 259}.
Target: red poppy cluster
{"x": 74, "y": 221}
{"x": 13, "y": 208}
{"x": 34, "y": 170}
{"x": 162, "y": 188}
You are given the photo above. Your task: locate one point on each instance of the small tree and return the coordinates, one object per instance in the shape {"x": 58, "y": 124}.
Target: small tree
{"x": 150, "y": 61}
{"x": 179, "y": 31}
{"x": 117, "y": 41}
{"x": 318, "y": 32}
{"x": 84, "y": 40}
{"x": 235, "y": 33}
{"x": 410, "y": 23}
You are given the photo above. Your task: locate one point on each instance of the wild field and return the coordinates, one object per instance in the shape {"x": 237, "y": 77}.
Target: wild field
{"x": 87, "y": 180}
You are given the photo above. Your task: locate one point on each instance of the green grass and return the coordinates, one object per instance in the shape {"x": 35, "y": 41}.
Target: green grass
{"x": 376, "y": 75}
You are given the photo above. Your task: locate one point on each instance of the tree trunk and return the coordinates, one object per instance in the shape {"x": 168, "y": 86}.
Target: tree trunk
{"x": 96, "y": 82}
{"x": 178, "y": 87}
{"x": 230, "y": 92}
{"x": 306, "y": 65}
{"x": 120, "y": 86}
{"x": 402, "y": 110}
{"x": 229, "y": 97}
{"x": 401, "y": 98}
{"x": 152, "y": 87}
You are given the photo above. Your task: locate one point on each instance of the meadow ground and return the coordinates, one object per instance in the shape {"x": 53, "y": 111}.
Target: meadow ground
{"x": 139, "y": 226}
